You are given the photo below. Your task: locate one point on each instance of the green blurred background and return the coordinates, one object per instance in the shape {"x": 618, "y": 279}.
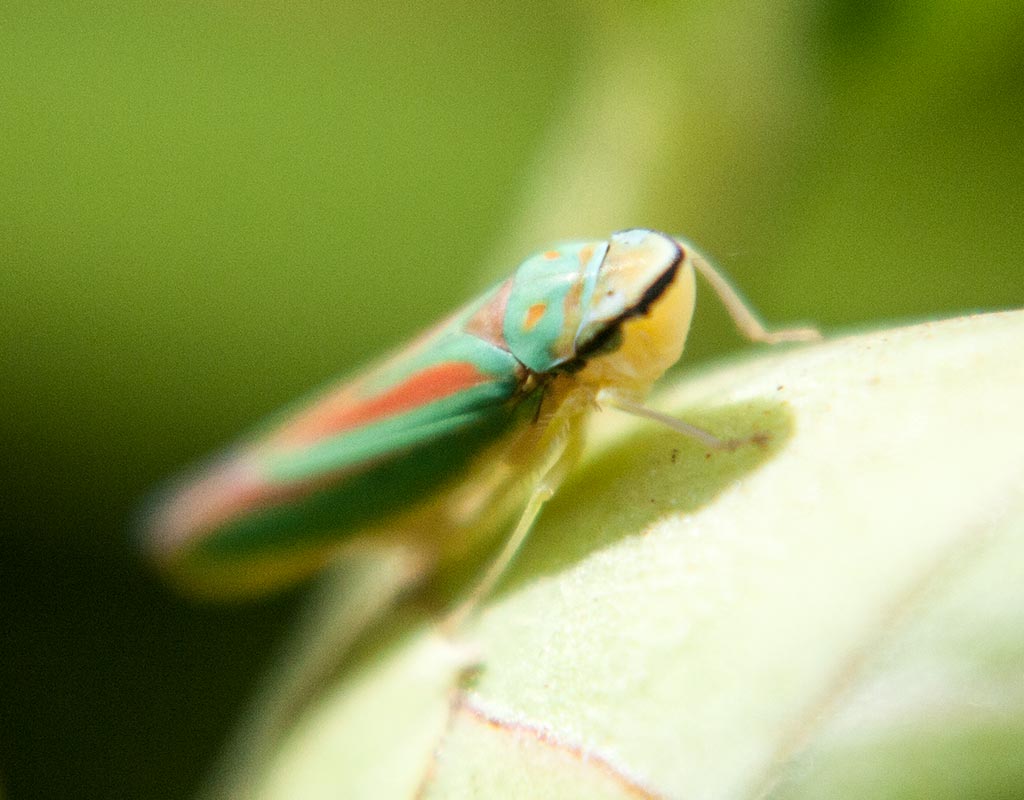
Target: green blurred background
{"x": 208, "y": 208}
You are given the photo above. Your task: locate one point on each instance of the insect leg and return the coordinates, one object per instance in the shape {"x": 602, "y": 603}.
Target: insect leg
{"x": 541, "y": 494}
{"x": 562, "y": 443}
{"x": 638, "y": 410}
{"x": 743, "y": 316}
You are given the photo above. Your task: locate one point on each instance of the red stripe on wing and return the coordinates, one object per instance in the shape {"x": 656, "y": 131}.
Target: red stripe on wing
{"x": 238, "y": 485}
{"x": 339, "y": 413}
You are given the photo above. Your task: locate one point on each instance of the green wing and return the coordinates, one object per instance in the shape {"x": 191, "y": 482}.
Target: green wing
{"x": 268, "y": 510}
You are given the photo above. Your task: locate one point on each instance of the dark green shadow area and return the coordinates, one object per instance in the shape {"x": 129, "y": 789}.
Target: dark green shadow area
{"x": 653, "y": 474}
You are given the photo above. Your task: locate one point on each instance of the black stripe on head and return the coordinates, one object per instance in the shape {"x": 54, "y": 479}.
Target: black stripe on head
{"x": 654, "y": 291}
{"x": 611, "y": 336}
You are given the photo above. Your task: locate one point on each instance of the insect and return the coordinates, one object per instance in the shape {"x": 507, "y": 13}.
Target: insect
{"x": 445, "y": 440}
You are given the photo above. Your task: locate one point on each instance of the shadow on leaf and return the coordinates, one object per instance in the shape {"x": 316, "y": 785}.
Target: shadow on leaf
{"x": 653, "y": 474}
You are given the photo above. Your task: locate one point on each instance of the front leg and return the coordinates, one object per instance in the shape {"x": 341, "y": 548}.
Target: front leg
{"x": 616, "y": 401}
{"x": 560, "y": 445}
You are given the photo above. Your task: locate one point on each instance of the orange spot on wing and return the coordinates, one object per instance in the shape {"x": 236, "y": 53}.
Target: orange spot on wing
{"x": 552, "y": 255}
{"x": 533, "y": 315}
{"x": 433, "y": 383}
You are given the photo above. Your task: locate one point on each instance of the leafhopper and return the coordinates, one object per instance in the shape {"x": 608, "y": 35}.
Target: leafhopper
{"x": 443, "y": 442}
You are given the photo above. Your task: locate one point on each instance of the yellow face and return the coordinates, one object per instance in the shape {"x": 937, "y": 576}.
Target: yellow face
{"x": 649, "y": 335}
